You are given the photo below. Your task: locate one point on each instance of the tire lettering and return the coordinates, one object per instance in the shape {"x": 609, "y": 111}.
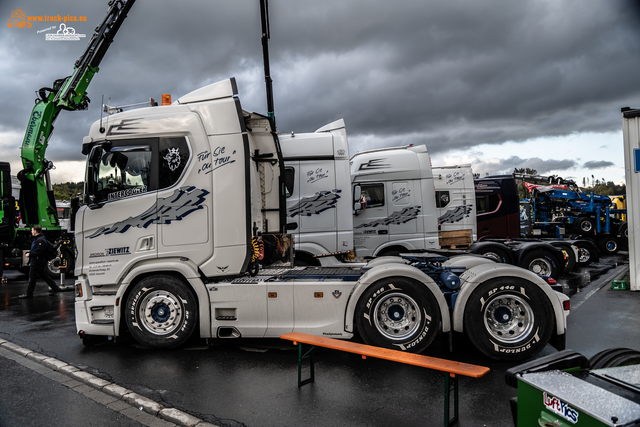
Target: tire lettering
{"x": 375, "y": 294}
{"x": 521, "y": 349}
{"x": 417, "y": 340}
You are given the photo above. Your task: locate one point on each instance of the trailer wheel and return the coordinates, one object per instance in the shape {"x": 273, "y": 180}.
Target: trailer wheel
{"x": 585, "y": 225}
{"x": 609, "y": 245}
{"x": 540, "y": 262}
{"x": 398, "y": 314}
{"x": 508, "y": 319}
{"x": 161, "y": 312}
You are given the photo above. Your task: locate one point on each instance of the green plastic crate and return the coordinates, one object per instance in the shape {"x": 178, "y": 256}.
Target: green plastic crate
{"x": 619, "y": 285}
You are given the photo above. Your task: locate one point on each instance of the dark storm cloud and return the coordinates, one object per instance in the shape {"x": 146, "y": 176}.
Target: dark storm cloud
{"x": 597, "y": 164}
{"x": 540, "y": 165}
{"x": 451, "y": 75}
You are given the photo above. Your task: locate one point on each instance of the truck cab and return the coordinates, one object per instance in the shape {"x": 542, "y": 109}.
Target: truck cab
{"x": 397, "y": 205}
{"x": 319, "y": 206}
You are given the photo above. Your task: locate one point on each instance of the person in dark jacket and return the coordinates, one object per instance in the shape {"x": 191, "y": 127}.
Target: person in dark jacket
{"x": 38, "y": 262}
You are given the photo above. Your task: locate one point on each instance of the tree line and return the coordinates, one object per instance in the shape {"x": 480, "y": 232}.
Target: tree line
{"x": 68, "y": 190}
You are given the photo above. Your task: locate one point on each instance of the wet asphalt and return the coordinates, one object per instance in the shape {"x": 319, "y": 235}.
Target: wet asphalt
{"x": 254, "y": 382}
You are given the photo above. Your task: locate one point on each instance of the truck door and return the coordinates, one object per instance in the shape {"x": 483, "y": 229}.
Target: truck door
{"x": 404, "y": 211}
{"x": 183, "y": 204}
{"x": 121, "y": 228}
{"x": 318, "y": 199}
{"x": 371, "y": 226}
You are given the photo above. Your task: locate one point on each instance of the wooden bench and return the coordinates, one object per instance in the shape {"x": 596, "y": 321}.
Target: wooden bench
{"x": 449, "y": 368}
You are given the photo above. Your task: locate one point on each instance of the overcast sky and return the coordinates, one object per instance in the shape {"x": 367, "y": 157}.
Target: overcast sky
{"x": 495, "y": 83}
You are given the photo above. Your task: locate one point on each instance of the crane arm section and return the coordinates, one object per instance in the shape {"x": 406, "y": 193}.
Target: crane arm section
{"x": 36, "y": 197}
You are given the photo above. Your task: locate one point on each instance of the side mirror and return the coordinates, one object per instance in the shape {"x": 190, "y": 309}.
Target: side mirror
{"x": 357, "y": 208}
{"x": 357, "y": 193}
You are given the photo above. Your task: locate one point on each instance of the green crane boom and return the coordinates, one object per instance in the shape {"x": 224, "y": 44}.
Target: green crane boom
{"x": 37, "y": 203}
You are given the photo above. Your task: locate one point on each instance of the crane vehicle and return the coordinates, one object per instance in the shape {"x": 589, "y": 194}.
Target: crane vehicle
{"x": 37, "y": 203}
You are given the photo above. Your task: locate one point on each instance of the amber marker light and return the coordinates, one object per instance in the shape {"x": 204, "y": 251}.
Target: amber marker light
{"x": 166, "y": 99}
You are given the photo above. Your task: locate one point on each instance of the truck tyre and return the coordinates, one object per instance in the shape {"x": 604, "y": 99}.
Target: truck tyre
{"x": 508, "y": 319}
{"x": 586, "y": 254}
{"x": 609, "y": 245}
{"x": 570, "y": 259}
{"x": 399, "y": 314}
{"x": 495, "y": 254}
{"x": 613, "y": 357}
{"x": 585, "y": 225}
{"x": 53, "y": 265}
{"x": 540, "y": 262}
{"x": 623, "y": 230}
{"x": 161, "y": 312}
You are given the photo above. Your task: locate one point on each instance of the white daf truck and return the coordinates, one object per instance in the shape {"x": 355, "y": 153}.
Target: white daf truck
{"x": 184, "y": 210}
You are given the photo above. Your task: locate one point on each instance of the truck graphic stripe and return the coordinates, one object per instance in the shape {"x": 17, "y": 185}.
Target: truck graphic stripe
{"x": 177, "y": 206}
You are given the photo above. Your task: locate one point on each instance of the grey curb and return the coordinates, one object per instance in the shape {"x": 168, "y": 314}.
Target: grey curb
{"x": 147, "y": 405}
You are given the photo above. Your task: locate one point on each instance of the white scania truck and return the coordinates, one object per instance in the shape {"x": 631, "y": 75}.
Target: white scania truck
{"x": 185, "y": 202}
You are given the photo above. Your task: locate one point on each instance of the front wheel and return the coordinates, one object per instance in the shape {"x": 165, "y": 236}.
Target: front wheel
{"x": 508, "y": 319}
{"x": 161, "y": 312}
{"x": 398, "y": 314}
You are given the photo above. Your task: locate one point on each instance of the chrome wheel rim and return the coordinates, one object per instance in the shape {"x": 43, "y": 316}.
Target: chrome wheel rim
{"x": 509, "y": 318}
{"x": 160, "y": 312}
{"x": 583, "y": 255}
{"x": 397, "y": 316}
{"x": 540, "y": 266}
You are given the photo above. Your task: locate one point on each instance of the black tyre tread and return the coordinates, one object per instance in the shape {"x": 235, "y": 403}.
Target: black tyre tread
{"x": 614, "y": 357}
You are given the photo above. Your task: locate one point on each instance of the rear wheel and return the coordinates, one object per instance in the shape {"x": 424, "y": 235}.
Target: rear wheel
{"x": 161, "y": 312}
{"x": 541, "y": 263}
{"x": 586, "y": 253}
{"x": 609, "y": 245}
{"x": 494, "y": 253}
{"x": 585, "y": 225}
{"x": 570, "y": 259}
{"x": 508, "y": 319}
{"x": 398, "y": 314}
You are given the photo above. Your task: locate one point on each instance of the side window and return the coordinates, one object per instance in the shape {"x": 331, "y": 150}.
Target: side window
{"x": 494, "y": 202}
{"x": 289, "y": 180}
{"x": 373, "y": 195}
{"x": 442, "y": 199}
{"x": 481, "y": 204}
{"x": 174, "y": 156}
{"x": 123, "y": 171}
{"x": 487, "y": 203}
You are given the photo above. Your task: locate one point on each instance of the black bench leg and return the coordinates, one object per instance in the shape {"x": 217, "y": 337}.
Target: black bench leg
{"x": 307, "y": 355}
{"x": 450, "y": 385}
